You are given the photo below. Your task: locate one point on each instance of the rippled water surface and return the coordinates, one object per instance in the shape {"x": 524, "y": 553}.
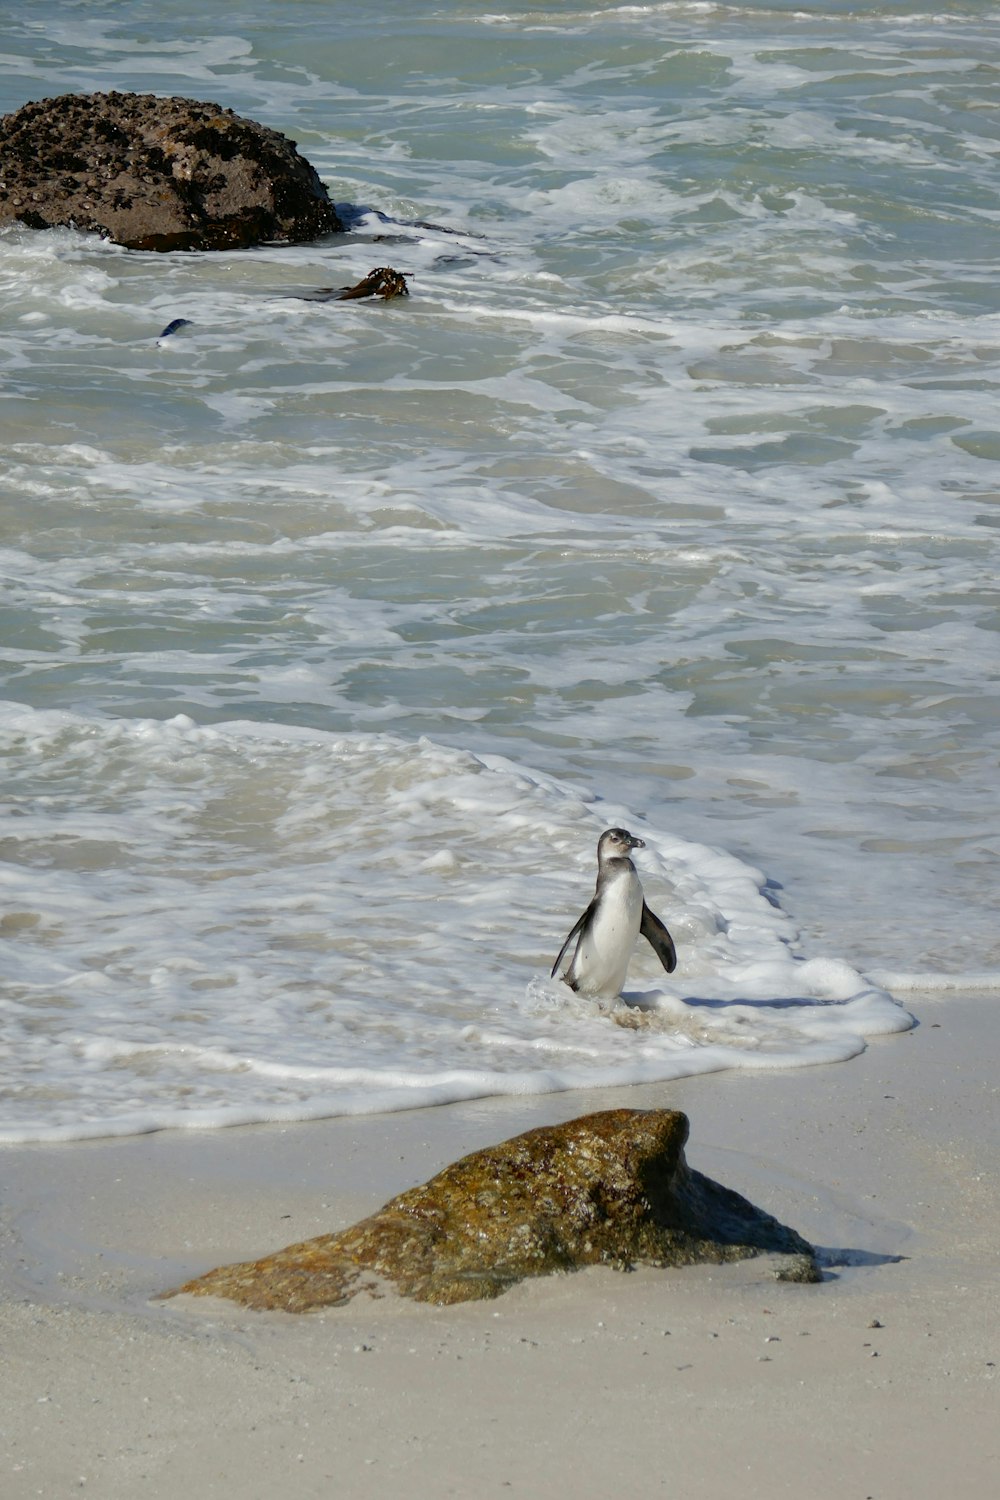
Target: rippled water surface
{"x": 333, "y": 634}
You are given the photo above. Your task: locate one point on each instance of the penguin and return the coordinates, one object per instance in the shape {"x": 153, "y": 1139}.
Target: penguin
{"x": 606, "y": 933}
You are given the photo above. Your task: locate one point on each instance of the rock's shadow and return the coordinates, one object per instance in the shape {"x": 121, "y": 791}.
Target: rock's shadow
{"x": 831, "y": 1259}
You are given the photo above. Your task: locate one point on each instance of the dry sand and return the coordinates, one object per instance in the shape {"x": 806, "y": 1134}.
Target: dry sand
{"x": 702, "y": 1384}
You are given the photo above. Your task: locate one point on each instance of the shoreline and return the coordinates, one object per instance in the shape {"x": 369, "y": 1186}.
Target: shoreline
{"x": 881, "y": 1381}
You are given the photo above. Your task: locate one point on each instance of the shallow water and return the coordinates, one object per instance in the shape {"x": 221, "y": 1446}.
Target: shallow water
{"x": 334, "y": 633}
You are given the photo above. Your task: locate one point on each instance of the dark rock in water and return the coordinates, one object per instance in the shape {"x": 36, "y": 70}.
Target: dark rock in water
{"x": 382, "y": 282}
{"x": 157, "y": 174}
{"x": 611, "y": 1188}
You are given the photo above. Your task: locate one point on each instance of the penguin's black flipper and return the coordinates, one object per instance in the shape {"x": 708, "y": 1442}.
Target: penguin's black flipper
{"x": 658, "y": 938}
{"x": 575, "y": 931}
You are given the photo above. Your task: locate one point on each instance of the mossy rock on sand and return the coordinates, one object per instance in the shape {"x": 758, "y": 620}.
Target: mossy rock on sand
{"x": 607, "y": 1189}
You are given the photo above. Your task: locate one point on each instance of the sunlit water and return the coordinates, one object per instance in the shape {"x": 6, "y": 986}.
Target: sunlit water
{"x": 333, "y": 634}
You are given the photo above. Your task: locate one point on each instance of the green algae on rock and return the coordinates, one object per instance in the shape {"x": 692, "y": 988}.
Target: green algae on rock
{"x": 611, "y": 1188}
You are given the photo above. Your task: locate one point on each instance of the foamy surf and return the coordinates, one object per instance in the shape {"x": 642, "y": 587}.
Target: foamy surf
{"x": 931, "y": 983}
{"x": 243, "y": 923}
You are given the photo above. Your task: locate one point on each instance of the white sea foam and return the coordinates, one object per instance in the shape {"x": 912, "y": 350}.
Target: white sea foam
{"x": 240, "y": 923}
{"x": 900, "y": 983}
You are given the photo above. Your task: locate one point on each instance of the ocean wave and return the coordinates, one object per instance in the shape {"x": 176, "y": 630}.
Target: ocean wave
{"x": 241, "y": 922}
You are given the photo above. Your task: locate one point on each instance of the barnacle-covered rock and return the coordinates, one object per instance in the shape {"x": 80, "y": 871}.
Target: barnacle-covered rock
{"x": 157, "y": 173}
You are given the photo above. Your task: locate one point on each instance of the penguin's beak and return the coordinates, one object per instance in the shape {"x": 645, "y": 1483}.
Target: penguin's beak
{"x": 638, "y": 843}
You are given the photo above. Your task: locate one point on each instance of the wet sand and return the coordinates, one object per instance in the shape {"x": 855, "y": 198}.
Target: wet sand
{"x": 880, "y": 1382}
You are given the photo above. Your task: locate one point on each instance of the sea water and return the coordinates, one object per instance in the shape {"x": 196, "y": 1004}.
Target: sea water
{"x": 334, "y": 633}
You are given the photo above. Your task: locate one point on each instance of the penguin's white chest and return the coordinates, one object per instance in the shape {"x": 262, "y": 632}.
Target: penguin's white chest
{"x": 605, "y": 947}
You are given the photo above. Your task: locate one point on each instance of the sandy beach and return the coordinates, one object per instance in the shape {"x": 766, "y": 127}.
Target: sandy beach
{"x": 881, "y": 1382}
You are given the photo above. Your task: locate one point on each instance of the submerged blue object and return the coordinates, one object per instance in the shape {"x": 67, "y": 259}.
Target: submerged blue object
{"x": 174, "y": 325}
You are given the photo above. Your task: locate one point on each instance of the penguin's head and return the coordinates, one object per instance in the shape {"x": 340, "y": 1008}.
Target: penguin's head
{"x": 617, "y": 843}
